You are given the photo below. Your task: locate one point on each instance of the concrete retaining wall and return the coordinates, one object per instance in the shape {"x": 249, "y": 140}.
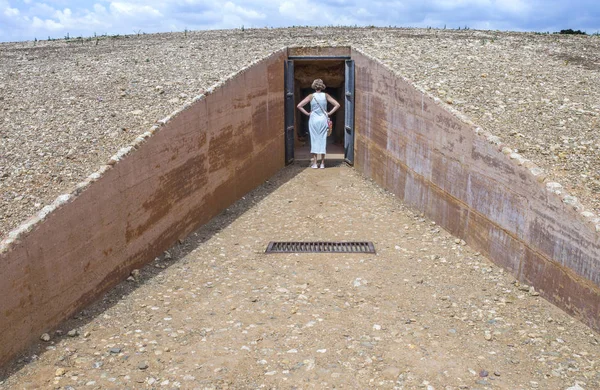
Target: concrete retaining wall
{"x": 477, "y": 189}
{"x": 185, "y": 171}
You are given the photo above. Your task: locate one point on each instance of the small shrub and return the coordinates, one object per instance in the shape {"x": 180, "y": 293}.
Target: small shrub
{"x": 572, "y": 32}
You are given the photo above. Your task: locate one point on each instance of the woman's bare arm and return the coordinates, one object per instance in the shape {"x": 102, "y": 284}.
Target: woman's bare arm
{"x": 303, "y": 103}
{"x": 334, "y": 102}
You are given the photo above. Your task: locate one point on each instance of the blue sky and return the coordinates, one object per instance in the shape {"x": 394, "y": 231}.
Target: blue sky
{"x": 28, "y": 19}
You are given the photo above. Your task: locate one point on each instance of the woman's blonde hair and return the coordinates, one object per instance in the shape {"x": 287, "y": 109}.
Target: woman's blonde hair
{"x": 318, "y": 84}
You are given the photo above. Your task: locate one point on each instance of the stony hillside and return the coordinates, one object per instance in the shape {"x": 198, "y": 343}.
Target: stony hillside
{"x": 67, "y": 106}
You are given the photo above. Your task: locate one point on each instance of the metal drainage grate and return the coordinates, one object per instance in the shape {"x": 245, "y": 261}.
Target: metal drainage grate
{"x": 321, "y": 247}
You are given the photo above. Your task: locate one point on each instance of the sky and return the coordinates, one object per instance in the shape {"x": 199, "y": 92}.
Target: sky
{"x": 22, "y": 20}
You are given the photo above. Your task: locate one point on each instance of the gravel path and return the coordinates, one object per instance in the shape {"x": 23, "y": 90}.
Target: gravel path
{"x": 67, "y": 106}
{"x": 216, "y": 312}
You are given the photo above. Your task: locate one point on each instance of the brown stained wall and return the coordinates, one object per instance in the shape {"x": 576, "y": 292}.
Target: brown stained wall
{"x": 200, "y": 162}
{"x": 439, "y": 165}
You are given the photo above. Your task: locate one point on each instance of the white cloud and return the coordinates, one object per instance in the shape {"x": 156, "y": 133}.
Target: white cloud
{"x": 99, "y": 9}
{"x": 131, "y": 9}
{"x": 307, "y": 13}
{"x": 11, "y": 12}
{"x": 363, "y": 13}
{"x": 47, "y": 25}
{"x": 230, "y": 8}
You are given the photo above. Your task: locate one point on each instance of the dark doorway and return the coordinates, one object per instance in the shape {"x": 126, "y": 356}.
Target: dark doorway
{"x": 300, "y": 73}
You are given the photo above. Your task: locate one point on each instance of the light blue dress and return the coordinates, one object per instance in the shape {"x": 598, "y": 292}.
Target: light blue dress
{"x": 317, "y": 123}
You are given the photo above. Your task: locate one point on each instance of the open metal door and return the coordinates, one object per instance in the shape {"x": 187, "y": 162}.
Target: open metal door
{"x": 349, "y": 113}
{"x": 289, "y": 111}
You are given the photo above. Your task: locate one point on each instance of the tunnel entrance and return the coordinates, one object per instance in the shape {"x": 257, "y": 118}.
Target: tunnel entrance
{"x": 338, "y": 75}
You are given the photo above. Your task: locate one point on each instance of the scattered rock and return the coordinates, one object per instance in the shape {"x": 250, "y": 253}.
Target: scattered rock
{"x": 135, "y": 275}
{"x": 391, "y": 373}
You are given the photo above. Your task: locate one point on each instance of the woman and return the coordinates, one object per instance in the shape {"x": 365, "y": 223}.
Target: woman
{"x": 317, "y": 124}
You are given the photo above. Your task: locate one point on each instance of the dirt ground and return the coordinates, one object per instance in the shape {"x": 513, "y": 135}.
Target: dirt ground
{"x": 216, "y": 312}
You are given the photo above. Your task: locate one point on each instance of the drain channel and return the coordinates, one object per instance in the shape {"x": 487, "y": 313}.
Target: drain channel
{"x": 320, "y": 247}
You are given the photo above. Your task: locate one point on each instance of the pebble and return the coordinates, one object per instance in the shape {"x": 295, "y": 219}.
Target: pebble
{"x": 143, "y": 366}
{"x": 115, "y": 350}
{"x": 391, "y": 373}
{"x": 45, "y": 337}
{"x": 135, "y": 275}
{"x": 73, "y": 333}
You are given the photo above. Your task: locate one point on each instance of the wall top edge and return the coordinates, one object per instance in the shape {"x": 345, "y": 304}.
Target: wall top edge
{"x": 319, "y": 51}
